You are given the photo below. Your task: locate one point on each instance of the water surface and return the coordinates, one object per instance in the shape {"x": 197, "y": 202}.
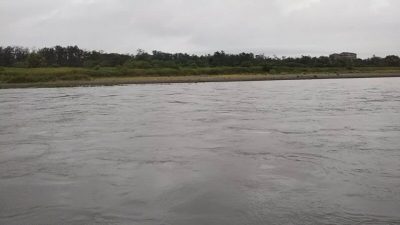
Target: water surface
{"x": 280, "y": 152}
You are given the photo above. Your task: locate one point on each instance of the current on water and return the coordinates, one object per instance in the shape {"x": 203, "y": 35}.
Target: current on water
{"x": 275, "y": 152}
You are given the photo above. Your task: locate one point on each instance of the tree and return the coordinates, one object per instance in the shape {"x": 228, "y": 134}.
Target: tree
{"x": 61, "y": 56}
{"x": 392, "y": 60}
{"x": 49, "y": 55}
{"x": 35, "y": 60}
{"x": 8, "y": 56}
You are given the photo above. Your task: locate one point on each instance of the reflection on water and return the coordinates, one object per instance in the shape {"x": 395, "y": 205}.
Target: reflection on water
{"x": 282, "y": 152}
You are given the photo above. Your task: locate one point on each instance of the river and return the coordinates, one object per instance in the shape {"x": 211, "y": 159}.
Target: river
{"x": 267, "y": 152}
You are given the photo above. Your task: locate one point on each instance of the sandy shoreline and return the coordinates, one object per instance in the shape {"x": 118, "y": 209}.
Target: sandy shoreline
{"x": 192, "y": 79}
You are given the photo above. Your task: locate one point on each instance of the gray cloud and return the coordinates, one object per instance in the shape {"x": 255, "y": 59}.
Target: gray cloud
{"x": 282, "y": 27}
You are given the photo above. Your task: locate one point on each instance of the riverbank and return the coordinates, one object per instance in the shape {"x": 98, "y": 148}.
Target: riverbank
{"x": 108, "y": 81}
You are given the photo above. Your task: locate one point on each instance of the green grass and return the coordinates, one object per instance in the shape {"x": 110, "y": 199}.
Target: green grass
{"x": 42, "y": 75}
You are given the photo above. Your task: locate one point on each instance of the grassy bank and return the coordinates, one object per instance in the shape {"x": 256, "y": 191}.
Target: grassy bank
{"x": 64, "y": 77}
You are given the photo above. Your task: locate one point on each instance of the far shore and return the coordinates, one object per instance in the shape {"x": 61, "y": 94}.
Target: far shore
{"x": 109, "y": 81}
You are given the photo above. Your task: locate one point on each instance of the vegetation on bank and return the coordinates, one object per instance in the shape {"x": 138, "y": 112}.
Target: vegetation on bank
{"x": 72, "y": 56}
{"x": 105, "y": 81}
{"x": 35, "y": 75}
{"x": 22, "y": 65}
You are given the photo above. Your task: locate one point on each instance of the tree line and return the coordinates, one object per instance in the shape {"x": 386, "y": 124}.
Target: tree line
{"x": 73, "y": 56}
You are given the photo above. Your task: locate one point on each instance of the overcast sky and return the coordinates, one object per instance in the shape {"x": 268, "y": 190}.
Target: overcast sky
{"x": 281, "y": 27}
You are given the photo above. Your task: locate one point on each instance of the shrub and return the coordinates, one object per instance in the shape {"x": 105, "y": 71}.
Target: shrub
{"x": 21, "y": 64}
{"x": 122, "y": 70}
{"x": 266, "y": 68}
{"x": 137, "y": 64}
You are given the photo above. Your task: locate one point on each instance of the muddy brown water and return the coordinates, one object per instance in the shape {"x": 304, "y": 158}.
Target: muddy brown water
{"x": 274, "y": 152}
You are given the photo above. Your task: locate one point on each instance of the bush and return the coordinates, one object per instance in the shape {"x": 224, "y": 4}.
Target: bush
{"x": 21, "y": 65}
{"x": 266, "y": 68}
{"x": 137, "y": 64}
{"x": 122, "y": 70}
{"x": 90, "y": 64}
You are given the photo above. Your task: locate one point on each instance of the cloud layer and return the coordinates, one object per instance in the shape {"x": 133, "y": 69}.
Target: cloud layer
{"x": 281, "y": 27}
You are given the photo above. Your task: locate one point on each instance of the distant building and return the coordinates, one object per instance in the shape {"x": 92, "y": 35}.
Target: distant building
{"x": 344, "y": 55}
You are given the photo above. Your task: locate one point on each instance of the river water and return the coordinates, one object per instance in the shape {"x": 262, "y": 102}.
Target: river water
{"x": 274, "y": 152}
